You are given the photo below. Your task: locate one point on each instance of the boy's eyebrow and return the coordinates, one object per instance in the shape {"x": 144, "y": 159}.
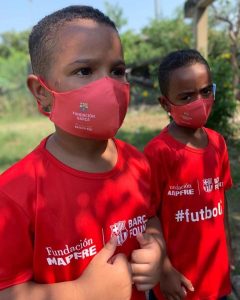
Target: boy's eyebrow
{"x": 88, "y": 60}
{"x": 193, "y": 91}
{"x": 206, "y": 87}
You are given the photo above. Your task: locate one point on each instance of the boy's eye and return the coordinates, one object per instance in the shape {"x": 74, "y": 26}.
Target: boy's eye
{"x": 84, "y": 72}
{"x": 119, "y": 72}
{"x": 207, "y": 92}
{"x": 186, "y": 98}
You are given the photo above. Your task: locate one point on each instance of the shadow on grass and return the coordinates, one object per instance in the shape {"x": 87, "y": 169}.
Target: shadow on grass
{"x": 6, "y": 162}
{"x": 138, "y": 138}
{"x": 11, "y": 153}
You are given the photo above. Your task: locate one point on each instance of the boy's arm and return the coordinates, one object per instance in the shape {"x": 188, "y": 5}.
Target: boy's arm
{"x": 173, "y": 284}
{"x": 228, "y": 234}
{"x": 101, "y": 280}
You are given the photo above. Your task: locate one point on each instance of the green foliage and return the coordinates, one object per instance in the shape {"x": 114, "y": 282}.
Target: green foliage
{"x": 223, "y": 17}
{"x": 141, "y": 95}
{"x": 225, "y": 9}
{"x": 13, "y": 92}
{"x": 168, "y": 35}
{"x": 115, "y": 13}
{"x": 225, "y": 103}
{"x": 218, "y": 42}
{"x": 136, "y": 47}
{"x": 13, "y": 40}
{"x": 148, "y": 47}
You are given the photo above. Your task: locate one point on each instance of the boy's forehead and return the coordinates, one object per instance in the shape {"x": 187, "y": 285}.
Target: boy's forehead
{"x": 85, "y": 26}
{"x": 188, "y": 78}
{"x": 85, "y": 39}
{"x": 195, "y": 72}
{"x": 84, "y": 32}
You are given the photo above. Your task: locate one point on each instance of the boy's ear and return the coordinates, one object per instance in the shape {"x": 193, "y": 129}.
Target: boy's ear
{"x": 164, "y": 103}
{"x": 43, "y": 96}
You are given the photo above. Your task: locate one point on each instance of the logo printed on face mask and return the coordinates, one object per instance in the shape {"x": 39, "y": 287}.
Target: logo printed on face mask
{"x": 194, "y": 114}
{"x": 186, "y": 116}
{"x": 83, "y": 107}
{"x": 106, "y": 98}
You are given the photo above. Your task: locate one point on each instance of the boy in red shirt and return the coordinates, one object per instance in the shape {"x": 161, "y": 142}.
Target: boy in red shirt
{"x": 80, "y": 187}
{"x": 190, "y": 170}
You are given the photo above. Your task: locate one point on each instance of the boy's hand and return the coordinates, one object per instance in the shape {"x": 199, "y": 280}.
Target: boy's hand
{"x": 173, "y": 284}
{"x": 106, "y": 277}
{"x": 145, "y": 262}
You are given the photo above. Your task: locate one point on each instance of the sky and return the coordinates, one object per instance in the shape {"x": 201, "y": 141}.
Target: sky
{"x": 19, "y": 15}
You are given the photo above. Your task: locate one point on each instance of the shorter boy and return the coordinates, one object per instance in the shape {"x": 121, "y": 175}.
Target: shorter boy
{"x": 190, "y": 170}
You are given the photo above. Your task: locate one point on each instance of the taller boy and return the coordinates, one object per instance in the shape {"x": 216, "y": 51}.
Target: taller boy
{"x": 80, "y": 186}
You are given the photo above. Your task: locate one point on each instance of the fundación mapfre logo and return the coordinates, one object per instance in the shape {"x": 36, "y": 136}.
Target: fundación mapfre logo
{"x": 83, "y": 106}
{"x": 119, "y": 230}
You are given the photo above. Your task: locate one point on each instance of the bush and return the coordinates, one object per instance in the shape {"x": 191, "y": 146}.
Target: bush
{"x": 14, "y": 96}
{"x": 225, "y": 103}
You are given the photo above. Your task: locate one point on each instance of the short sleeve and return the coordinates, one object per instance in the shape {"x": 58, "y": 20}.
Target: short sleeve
{"x": 226, "y": 172}
{"x": 16, "y": 251}
{"x": 158, "y": 176}
{"x": 152, "y": 205}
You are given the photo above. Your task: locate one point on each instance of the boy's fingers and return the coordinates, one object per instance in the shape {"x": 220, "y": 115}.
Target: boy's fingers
{"x": 187, "y": 284}
{"x": 184, "y": 291}
{"x": 121, "y": 259}
{"x": 143, "y": 287}
{"x": 145, "y": 240}
{"x": 142, "y": 279}
{"x": 108, "y": 250}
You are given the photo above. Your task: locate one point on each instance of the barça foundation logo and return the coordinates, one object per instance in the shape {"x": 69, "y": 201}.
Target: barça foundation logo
{"x": 119, "y": 230}
{"x": 211, "y": 184}
{"x": 208, "y": 185}
{"x": 128, "y": 229}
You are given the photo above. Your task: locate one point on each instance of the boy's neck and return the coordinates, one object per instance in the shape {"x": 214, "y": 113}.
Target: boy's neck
{"x": 93, "y": 156}
{"x": 194, "y": 138}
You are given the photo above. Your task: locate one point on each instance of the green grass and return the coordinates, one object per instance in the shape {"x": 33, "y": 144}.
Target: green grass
{"x": 18, "y": 137}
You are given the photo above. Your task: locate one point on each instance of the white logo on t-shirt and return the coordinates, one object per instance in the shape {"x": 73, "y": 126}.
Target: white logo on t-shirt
{"x": 119, "y": 230}
{"x": 208, "y": 185}
{"x": 128, "y": 229}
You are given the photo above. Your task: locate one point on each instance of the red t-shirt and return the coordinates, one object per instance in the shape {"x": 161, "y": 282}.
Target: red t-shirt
{"x": 188, "y": 189}
{"x": 54, "y": 219}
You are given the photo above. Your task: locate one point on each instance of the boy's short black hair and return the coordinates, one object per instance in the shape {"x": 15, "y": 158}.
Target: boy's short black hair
{"x": 175, "y": 60}
{"x": 43, "y": 36}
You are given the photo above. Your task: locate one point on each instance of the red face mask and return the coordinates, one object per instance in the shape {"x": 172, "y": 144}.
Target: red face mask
{"x": 193, "y": 114}
{"x": 94, "y": 111}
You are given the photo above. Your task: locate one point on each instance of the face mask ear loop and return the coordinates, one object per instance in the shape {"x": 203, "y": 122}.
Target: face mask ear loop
{"x": 38, "y": 102}
{"x": 170, "y": 104}
{"x": 214, "y": 90}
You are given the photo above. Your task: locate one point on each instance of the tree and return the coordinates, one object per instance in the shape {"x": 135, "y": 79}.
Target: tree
{"x": 168, "y": 35}
{"x": 115, "y": 13}
{"x": 143, "y": 52}
{"x": 13, "y": 40}
{"x": 14, "y": 60}
{"x": 229, "y": 14}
